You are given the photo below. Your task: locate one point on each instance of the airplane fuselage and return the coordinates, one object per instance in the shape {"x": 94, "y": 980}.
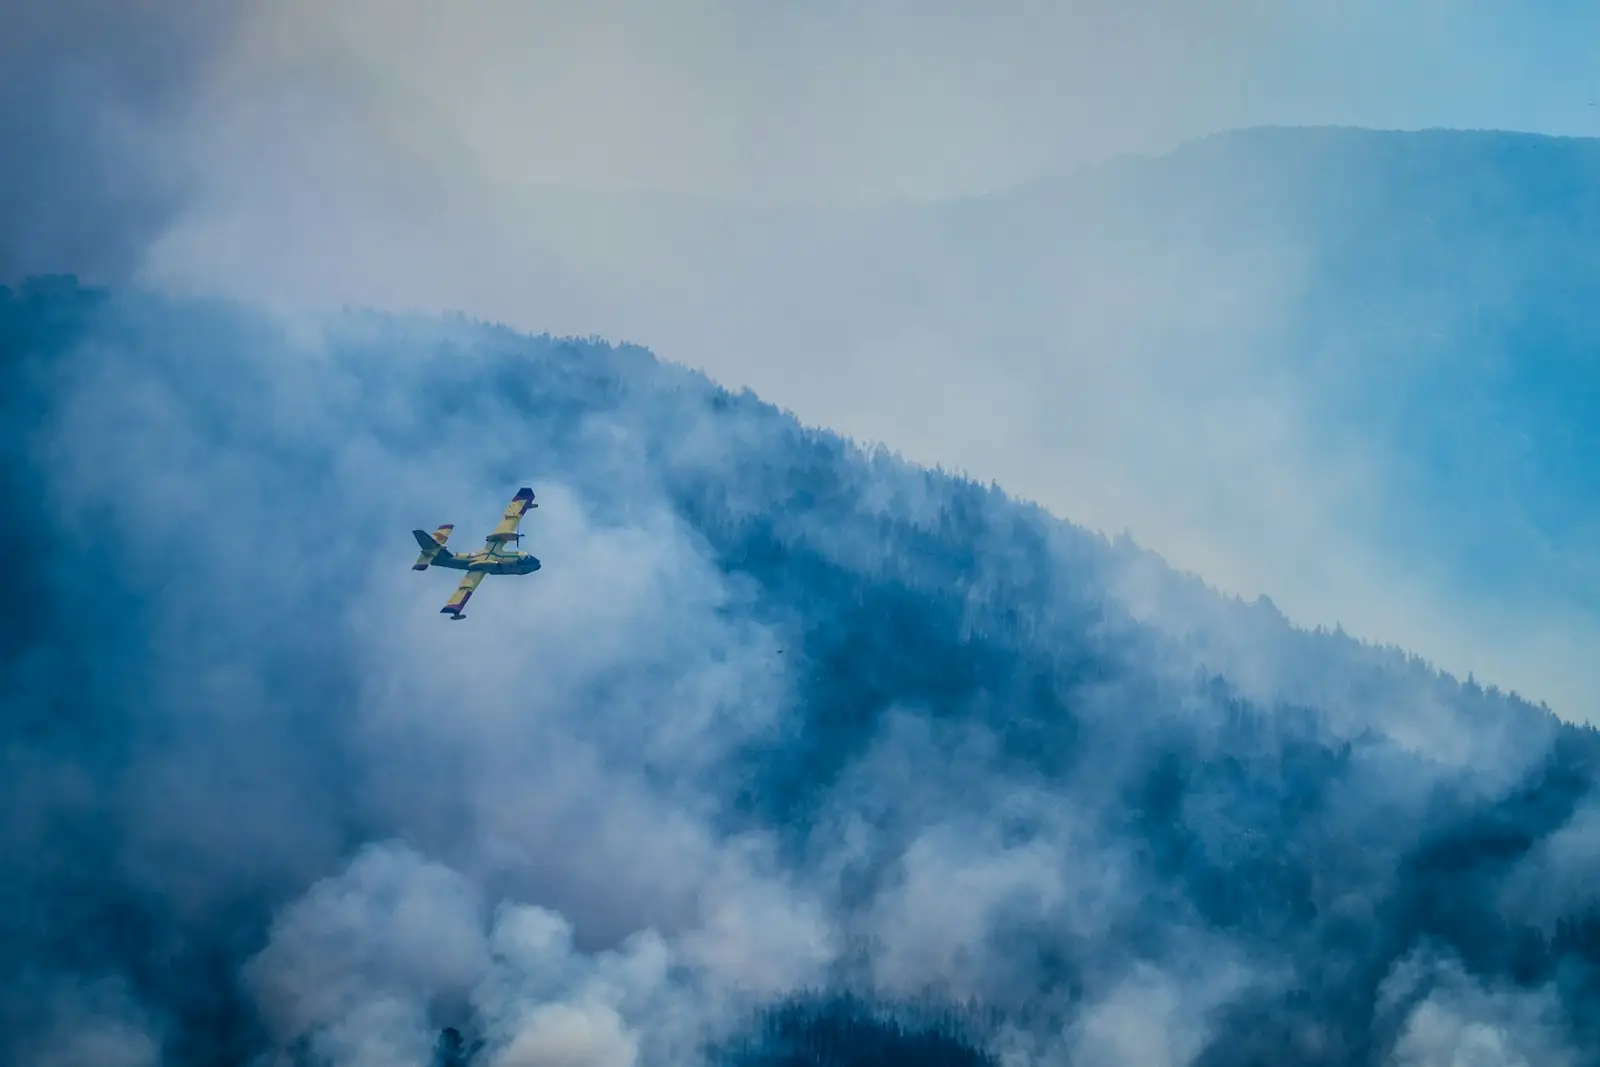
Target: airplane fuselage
{"x": 492, "y": 559}
{"x": 516, "y": 563}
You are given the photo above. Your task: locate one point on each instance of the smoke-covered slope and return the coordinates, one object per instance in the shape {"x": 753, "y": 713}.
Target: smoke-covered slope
{"x": 1372, "y": 348}
{"x": 778, "y": 717}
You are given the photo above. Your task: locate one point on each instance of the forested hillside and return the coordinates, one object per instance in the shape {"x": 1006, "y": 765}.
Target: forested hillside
{"x": 780, "y": 719}
{"x": 1378, "y": 348}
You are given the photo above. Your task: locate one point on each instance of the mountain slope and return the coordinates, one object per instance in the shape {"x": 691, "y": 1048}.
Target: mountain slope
{"x": 1423, "y": 298}
{"x": 779, "y": 715}
{"x": 1374, "y": 348}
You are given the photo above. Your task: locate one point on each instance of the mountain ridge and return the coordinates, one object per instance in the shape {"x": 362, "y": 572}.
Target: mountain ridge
{"x": 1002, "y": 761}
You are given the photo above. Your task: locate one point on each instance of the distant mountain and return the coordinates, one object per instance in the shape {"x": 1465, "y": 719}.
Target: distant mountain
{"x": 1247, "y": 348}
{"x": 1430, "y": 296}
{"x": 1446, "y": 311}
{"x": 793, "y": 751}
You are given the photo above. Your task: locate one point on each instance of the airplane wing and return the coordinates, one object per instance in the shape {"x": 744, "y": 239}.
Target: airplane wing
{"x": 458, "y": 599}
{"x": 507, "y": 530}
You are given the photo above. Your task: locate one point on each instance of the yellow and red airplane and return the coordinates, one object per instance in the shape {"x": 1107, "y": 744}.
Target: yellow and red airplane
{"x": 493, "y": 558}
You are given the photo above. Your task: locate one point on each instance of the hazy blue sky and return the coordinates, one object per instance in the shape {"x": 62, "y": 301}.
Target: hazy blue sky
{"x": 831, "y": 100}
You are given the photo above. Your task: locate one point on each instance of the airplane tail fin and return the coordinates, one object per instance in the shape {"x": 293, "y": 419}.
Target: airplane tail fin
{"x": 431, "y": 545}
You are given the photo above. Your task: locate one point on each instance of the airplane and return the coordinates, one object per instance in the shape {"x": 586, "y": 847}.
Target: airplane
{"x": 493, "y": 558}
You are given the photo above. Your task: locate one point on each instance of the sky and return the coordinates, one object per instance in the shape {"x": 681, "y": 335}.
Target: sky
{"x": 594, "y": 170}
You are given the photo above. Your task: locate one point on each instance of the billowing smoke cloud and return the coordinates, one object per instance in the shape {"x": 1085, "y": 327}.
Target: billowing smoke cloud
{"x": 1446, "y": 1017}
{"x": 369, "y": 964}
{"x": 568, "y": 761}
{"x": 727, "y": 747}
